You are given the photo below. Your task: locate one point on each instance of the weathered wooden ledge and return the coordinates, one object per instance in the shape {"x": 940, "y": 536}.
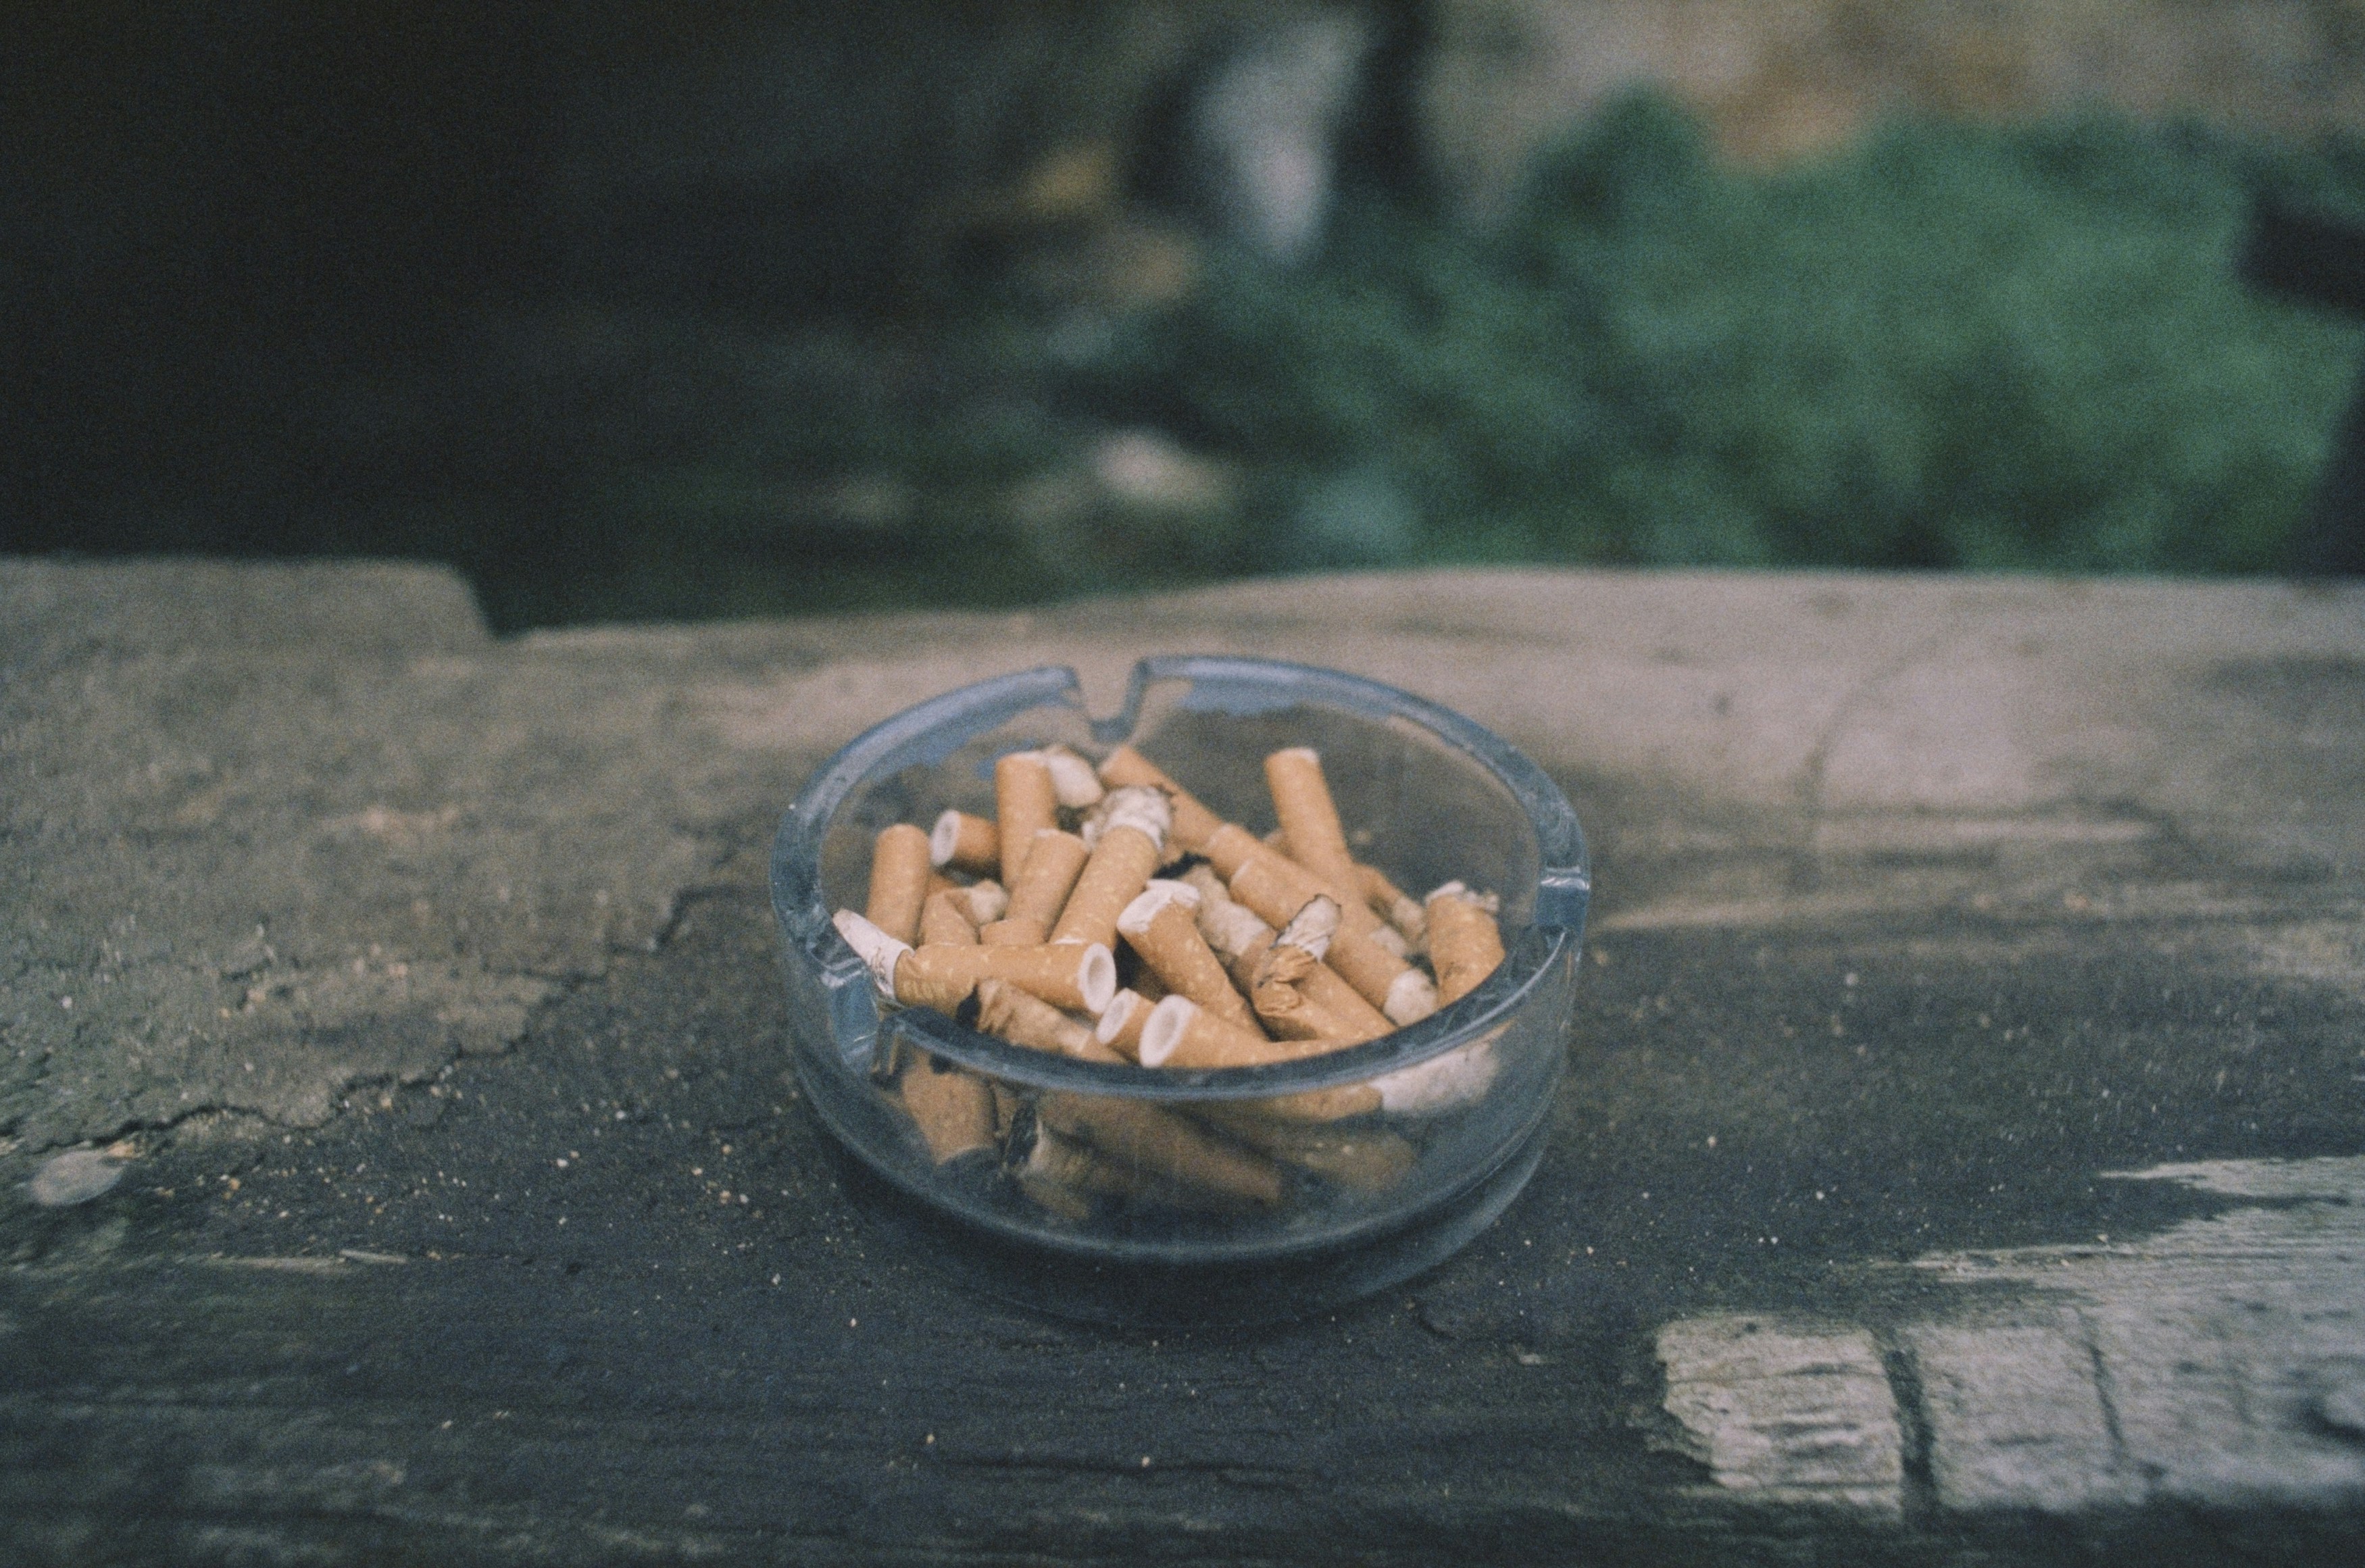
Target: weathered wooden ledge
{"x": 1963, "y": 1158}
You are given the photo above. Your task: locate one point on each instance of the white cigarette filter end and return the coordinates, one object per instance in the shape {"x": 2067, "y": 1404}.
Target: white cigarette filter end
{"x": 1389, "y": 940}
{"x": 1122, "y": 1021}
{"x": 1134, "y": 918}
{"x": 1073, "y": 781}
{"x": 1142, "y": 807}
{"x": 959, "y": 839}
{"x": 1412, "y": 997}
{"x": 1098, "y": 979}
{"x": 1312, "y": 927}
{"x": 1164, "y": 1029}
{"x": 879, "y": 953}
{"x": 1460, "y": 1077}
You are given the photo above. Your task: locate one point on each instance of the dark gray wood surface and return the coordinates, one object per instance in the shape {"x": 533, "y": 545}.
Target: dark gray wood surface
{"x": 1961, "y": 1159}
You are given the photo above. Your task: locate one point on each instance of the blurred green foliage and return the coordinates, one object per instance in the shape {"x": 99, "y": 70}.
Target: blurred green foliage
{"x": 1951, "y": 345}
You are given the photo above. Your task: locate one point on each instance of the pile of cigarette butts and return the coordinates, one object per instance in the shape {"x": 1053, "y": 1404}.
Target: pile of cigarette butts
{"x": 1237, "y": 951}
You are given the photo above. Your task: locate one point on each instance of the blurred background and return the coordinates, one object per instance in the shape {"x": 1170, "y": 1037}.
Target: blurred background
{"x": 632, "y": 310}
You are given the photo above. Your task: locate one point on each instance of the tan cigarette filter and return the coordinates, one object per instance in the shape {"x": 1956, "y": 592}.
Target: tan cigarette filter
{"x": 945, "y": 919}
{"x": 965, "y": 843}
{"x": 1004, "y": 1009}
{"x": 1181, "y": 1034}
{"x": 1161, "y": 927}
{"x": 899, "y": 881}
{"x": 953, "y": 1109}
{"x": 1323, "y": 986}
{"x": 1054, "y": 861}
{"x": 1121, "y": 1024}
{"x": 1465, "y": 943}
{"x": 1081, "y": 977}
{"x": 1120, "y": 867}
{"x": 1193, "y": 822}
{"x": 1276, "y": 887}
{"x": 1162, "y": 1145}
{"x": 1309, "y": 821}
{"x": 1362, "y": 1160}
{"x": 1393, "y": 904}
{"x": 1024, "y": 804}
{"x": 1012, "y": 934}
{"x": 1309, "y": 1105}
{"x": 1064, "y": 1176}
{"x": 1288, "y": 1013}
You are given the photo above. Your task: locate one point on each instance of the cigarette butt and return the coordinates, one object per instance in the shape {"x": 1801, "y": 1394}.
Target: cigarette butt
{"x": 1381, "y": 979}
{"x": 1276, "y": 890}
{"x": 1012, "y": 934}
{"x": 965, "y": 843}
{"x": 1464, "y": 942}
{"x": 1073, "y": 782}
{"x": 1120, "y": 867}
{"x": 899, "y": 881}
{"x": 1323, "y": 987}
{"x": 1162, "y": 1145}
{"x": 1024, "y": 804}
{"x": 937, "y": 883}
{"x": 953, "y": 1109}
{"x": 879, "y": 953}
{"x": 1276, "y": 887}
{"x": 1336, "y": 1104}
{"x": 1081, "y": 977}
{"x": 1193, "y": 822}
{"x": 1309, "y": 819}
{"x": 1460, "y": 1077}
{"x": 1065, "y": 1177}
{"x": 1004, "y": 1010}
{"x": 1181, "y": 1034}
{"x": 1054, "y": 861}
{"x": 1162, "y": 928}
{"x": 1121, "y": 1024}
{"x": 945, "y": 919}
{"x": 1362, "y": 1160}
{"x": 1287, "y": 1012}
{"x": 1393, "y": 904}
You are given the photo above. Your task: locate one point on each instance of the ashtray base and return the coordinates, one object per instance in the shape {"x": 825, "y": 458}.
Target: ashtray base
{"x": 1206, "y": 1295}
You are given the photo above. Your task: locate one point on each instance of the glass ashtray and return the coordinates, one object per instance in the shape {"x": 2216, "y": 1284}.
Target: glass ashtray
{"x": 1262, "y": 1192}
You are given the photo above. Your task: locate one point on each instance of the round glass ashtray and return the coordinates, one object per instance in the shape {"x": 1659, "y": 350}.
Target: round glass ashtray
{"x": 1091, "y": 1186}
